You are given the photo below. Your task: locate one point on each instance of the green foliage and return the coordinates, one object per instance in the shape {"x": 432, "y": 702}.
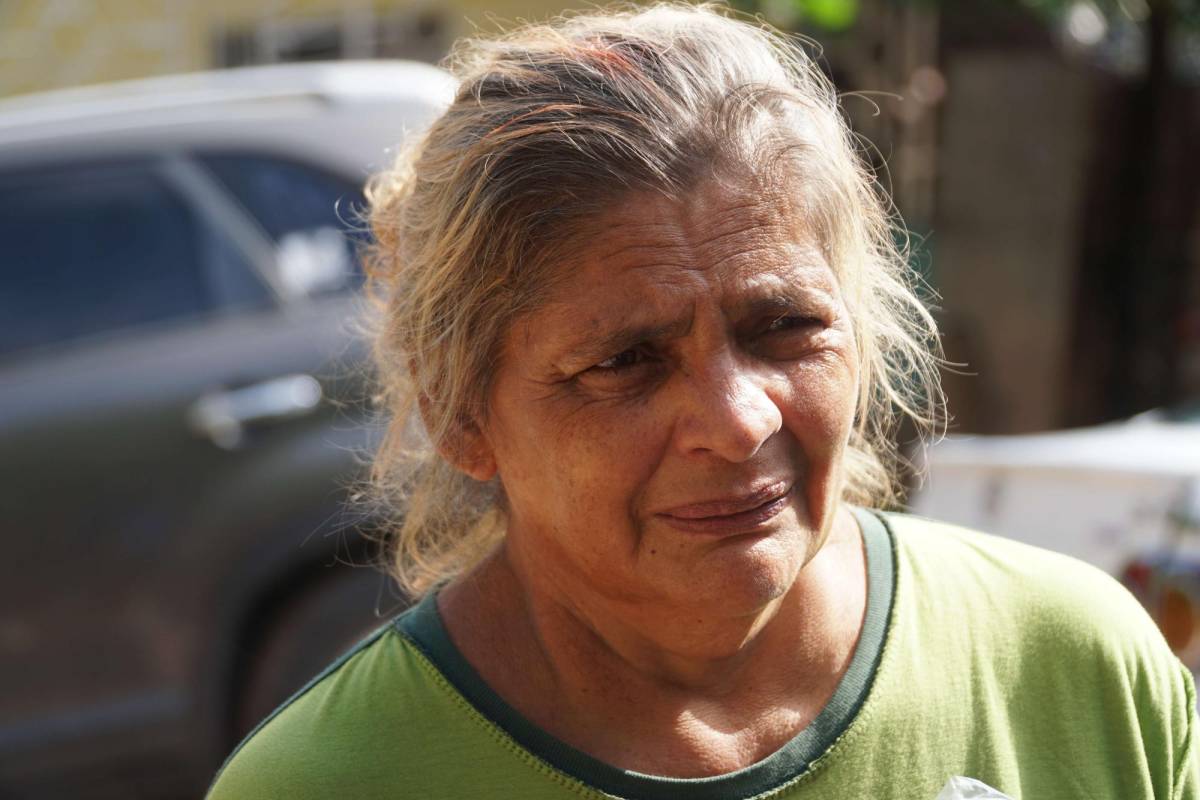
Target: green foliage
{"x": 836, "y": 16}
{"x": 826, "y": 16}
{"x": 831, "y": 15}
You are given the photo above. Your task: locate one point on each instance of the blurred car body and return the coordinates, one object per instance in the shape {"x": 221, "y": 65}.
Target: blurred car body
{"x": 1123, "y": 496}
{"x": 181, "y": 409}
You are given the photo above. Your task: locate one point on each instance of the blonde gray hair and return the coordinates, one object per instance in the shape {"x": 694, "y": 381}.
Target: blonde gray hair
{"x": 553, "y": 123}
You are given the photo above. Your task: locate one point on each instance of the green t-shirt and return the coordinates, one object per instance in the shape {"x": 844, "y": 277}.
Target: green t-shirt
{"x": 979, "y": 656}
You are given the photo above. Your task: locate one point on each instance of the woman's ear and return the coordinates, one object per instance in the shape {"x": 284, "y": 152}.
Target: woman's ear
{"x": 470, "y": 452}
{"x": 464, "y": 445}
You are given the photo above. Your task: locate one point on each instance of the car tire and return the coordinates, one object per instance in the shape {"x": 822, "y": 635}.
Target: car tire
{"x": 307, "y": 632}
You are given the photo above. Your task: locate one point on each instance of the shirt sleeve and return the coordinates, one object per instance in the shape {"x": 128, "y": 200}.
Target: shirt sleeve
{"x": 1187, "y": 772}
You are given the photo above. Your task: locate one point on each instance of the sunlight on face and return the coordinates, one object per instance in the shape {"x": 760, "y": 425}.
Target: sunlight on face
{"x": 670, "y": 426}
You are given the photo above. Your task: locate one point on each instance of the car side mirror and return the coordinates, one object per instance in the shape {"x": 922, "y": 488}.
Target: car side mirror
{"x": 313, "y": 262}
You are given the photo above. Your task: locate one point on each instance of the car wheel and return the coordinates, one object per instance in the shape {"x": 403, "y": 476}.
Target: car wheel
{"x": 309, "y": 630}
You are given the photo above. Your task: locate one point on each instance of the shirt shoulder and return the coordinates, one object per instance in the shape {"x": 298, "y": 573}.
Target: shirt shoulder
{"x": 1058, "y": 641}
{"x": 362, "y": 728}
{"x": 1020, "y": 584}
{"x": 383, "y": 722}
{"x": 323, "y": 740}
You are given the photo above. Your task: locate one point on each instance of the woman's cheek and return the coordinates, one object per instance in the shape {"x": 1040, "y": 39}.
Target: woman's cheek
{"x": 817, "y": 407}
{"x": 819, "y": 416}
{"x": 615, "y": 457}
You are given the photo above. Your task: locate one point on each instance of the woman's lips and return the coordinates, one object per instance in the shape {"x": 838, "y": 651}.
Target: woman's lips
{"x": 741, "y": 514}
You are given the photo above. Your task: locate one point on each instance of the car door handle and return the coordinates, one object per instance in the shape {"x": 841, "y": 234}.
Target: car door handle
{"x": 223, "y": 416}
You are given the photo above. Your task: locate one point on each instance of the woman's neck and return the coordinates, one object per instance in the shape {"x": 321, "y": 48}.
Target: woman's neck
{"x": 665, "y": 691}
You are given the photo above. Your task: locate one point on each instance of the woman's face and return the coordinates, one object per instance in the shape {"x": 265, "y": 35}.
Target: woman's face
{"x": 669, "y": 427}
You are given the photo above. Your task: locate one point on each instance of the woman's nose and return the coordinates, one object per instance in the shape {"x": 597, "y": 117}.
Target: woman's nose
{"x": 726, "y": 411}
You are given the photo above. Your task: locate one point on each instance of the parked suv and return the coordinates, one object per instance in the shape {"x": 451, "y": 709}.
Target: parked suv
{"x": 181, "y": 411}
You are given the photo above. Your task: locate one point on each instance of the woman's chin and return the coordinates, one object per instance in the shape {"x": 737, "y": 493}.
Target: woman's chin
{"x": 742, "y": 577}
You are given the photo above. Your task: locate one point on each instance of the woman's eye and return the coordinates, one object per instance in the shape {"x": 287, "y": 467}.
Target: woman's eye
{"x": 790, "y": 323}
{"x": 622, "y": 360}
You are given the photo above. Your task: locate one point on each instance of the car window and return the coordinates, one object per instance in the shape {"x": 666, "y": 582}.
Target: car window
{"x": 89, "y": 249}
{"x": 311, "y": 215}
{"x": 97, "y": 248}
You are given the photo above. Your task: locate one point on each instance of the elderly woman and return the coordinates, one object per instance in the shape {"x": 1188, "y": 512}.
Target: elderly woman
{"x": 646, "y": 333}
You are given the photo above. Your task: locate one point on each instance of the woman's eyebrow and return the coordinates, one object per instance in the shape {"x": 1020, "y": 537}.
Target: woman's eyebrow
{"x": 779, "y": 302}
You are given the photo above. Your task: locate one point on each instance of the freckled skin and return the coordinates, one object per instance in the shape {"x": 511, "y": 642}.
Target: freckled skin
{"x": 587, "y": 460}
{"x": 694, "y": 351}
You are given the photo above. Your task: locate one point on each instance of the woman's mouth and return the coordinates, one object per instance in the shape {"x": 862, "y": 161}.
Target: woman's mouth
{"x": 731, "y": 515}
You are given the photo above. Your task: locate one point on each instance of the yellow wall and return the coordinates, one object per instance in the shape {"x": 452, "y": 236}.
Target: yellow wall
{"x": 46, "y": 44}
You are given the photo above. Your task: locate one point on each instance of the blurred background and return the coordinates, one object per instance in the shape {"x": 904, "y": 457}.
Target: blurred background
{"x": 183, "y": 414}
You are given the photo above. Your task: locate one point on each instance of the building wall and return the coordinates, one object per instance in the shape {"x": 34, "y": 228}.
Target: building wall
{"x": 47, "y": 44}
{"x": 1015, "y": 140}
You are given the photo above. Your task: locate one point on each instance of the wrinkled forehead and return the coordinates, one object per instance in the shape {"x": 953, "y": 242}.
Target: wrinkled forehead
{"x": 729, "y": 225}
{"x": 740, "y": 246}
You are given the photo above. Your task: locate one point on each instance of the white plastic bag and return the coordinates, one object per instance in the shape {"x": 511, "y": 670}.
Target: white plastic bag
{"x": 960, "y": 788}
